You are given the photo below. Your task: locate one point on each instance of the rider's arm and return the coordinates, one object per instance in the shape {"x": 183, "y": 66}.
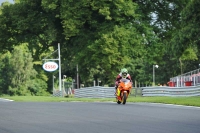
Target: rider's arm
{"x": 117, "y": 79}
{"x": 129, "y": 77}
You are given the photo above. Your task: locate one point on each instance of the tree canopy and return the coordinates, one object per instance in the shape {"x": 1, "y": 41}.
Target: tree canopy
{"x": 102, "y": 36}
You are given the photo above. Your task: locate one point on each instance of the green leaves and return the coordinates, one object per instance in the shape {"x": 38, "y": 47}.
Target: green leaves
{"x": 189, "y": 54}
{"x": 102, "y": 36}
{"x": 49, "y": 4}
{"x": 19, "y": 72}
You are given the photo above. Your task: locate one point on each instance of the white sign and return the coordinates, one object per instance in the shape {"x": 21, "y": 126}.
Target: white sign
{"x": 50, "y": 66}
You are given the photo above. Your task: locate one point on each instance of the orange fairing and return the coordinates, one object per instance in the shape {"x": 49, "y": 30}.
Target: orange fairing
{"x": 125, "y": 85}
{"x": 123, "y": 90}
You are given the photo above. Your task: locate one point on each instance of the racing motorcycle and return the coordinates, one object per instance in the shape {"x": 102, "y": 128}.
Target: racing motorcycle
{"x": 123, "y": 90}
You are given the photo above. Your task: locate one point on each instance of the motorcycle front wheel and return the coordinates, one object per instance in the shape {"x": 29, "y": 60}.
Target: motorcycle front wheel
{"x": 118, "y": 102}
{"x": 124, "y": 97}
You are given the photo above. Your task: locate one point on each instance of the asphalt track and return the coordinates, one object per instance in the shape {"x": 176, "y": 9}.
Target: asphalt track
{"x": 97, "y": 117}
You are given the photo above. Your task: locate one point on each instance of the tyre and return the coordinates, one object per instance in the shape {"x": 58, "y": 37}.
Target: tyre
{"x": 118, "y": 102}
{"x": 124, "y": 97}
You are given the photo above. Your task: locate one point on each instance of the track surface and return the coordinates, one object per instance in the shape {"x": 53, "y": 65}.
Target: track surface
{"x": 97, "y": 117}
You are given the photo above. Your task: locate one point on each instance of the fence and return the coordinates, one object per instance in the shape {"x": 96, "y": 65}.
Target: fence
{"x": 170, "y": 91}
{"x": 67, "y": 88}
{"x": 95, "y": 92}
{"x": 108, "y": 92}
{"x": 192, "y": 77}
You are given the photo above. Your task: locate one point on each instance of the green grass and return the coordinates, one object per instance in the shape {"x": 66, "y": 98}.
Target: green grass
{"x": 189, "y": 101}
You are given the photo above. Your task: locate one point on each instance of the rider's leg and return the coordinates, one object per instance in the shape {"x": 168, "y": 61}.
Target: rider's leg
{"x": 116, "y": 90}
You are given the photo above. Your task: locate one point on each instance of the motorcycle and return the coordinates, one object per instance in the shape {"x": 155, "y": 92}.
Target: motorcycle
{"x": 123, "y": 90}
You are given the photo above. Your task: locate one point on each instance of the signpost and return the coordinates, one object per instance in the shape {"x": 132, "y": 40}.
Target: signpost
{"x": 52, "y": 66}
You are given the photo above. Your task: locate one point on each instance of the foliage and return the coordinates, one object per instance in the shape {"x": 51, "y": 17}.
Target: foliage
{"x": 189, "y": 54}
{"x": 5, "y": 78}
{"x": 109, "y": 32}
{"x": 100, "y": 37}
{"x": 186, "y": 39}
{"x": 18, "y": 68}
{"x": 38, "y": 87}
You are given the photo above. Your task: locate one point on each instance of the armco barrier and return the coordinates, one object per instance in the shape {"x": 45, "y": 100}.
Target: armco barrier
{"x": 108, "y": 92}
{"x": 171, "y": 91}
{"x": 95, "y": 92}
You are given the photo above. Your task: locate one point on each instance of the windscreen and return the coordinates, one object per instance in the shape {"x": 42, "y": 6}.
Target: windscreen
{"x": 125, "y": 80}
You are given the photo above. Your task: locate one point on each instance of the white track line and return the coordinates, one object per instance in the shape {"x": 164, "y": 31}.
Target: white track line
{"x": 163, "y": 104}
{"x": 4, "y": 99}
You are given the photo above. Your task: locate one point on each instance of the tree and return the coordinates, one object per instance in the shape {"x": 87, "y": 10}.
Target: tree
{"x": 108, "y": 31}
{"x": 186, "y": 40}
{"x": 20, "y": 74}
{"x": 100, "y": 36}
{"x": 164, "y": 17}
{"x": 4, "y": 70}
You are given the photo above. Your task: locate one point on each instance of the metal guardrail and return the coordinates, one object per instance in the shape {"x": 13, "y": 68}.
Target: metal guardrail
{"x": 193, "y": 76}
{"x": 95, "y": 92}
{"x": 108, "y": 92}
{"x": 57, "y": 93}
{"x": 171, "y": 91}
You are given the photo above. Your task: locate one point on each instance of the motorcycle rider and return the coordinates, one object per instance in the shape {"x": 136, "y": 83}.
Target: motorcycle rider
{"x": 123, "y": 74}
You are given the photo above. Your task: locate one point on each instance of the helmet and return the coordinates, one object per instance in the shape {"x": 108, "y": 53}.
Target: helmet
{"x": 124, "y": 72}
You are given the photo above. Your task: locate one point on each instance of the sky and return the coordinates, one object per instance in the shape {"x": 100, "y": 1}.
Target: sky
{"x": 11, "y": 1}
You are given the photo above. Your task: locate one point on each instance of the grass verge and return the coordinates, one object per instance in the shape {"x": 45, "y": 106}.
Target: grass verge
{"x": 189, "y": 101}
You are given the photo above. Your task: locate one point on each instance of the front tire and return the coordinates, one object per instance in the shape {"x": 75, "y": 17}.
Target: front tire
{"x": 118, "y": 102}
{"x": 124, "y": 97}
